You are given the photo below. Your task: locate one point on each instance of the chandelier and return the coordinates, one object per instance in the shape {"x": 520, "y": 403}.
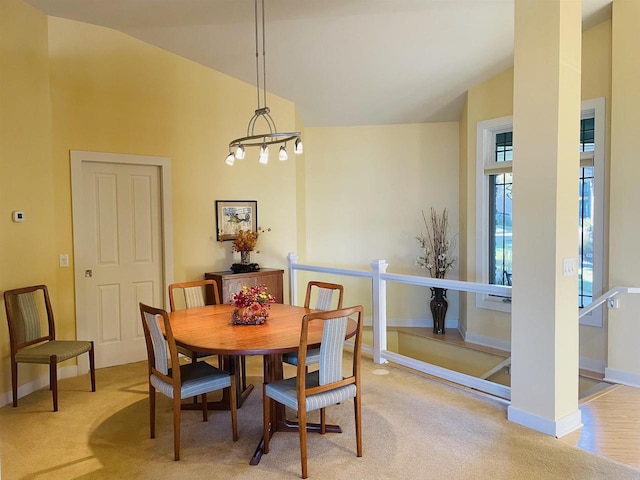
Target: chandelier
{"x": 272, "y": 137}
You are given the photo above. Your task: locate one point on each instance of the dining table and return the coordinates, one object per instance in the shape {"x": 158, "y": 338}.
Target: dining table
{"x": 210, "y": 330}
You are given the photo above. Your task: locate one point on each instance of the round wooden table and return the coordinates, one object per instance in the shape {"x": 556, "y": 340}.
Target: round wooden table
{"x": 209, "y": 330}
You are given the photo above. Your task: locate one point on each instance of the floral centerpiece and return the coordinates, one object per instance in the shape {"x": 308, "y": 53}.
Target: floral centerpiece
{"x": 252, "y": 305}
{"x": 437, "y": 259}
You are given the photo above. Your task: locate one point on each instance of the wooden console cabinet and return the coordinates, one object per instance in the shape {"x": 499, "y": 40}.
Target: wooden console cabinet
{"x": 229, "y": 282}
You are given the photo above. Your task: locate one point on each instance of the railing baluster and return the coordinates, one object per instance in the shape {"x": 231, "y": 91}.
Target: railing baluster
{"x": 379, "y": 299}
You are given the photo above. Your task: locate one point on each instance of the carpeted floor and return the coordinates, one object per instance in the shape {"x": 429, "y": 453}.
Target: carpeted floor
{"x": 414, "y": 428}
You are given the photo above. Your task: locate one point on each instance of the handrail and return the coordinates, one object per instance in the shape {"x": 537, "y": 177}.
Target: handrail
{"x": 379, "y": 279}
{"x": 605, "y": 297}
{"x": 473, "y": 287}
{"x": 379, "y": 351}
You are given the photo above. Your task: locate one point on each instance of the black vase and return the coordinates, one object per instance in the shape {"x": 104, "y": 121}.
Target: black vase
{"x": 439, "y": 307}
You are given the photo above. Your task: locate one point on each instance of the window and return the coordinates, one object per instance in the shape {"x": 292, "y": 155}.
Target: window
{"x": 494, "y": 185}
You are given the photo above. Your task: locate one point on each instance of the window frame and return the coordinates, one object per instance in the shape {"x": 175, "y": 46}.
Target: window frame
{"x": 486, "y": 165}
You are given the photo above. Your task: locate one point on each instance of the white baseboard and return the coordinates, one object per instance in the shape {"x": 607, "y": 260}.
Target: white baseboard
{"x": 413, "y": 322}
{"x": 592, "y": 364}
{"x": 620, "y": 376}
{"x": 6, "y": 398}
{"x": 558, "y": 428}
{"x": 471, "y": 337}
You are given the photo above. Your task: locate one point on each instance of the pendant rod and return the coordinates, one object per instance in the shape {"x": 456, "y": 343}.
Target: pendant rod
{"x": 264, "y": 60}
{"x": 257, "y": 58}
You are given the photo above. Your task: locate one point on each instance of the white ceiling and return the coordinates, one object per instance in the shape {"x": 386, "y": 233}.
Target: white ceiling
{"x": 343, "y": 62}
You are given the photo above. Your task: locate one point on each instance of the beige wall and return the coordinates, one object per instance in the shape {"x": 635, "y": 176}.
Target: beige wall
{"x": 114, "y": 93}
{"x": 366, "y": 187}
{"x": 27, "y": 250}
{"x": 624, "y": 324}
{"x": 73, "y": 86}
{"x": 493, "y": 99}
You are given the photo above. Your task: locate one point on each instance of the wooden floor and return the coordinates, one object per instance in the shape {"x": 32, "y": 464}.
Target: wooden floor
{"x": 610, "y": 416}
{"x": 611, "y": 425}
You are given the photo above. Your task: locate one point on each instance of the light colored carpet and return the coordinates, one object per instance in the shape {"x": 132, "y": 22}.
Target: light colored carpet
{"x": 414, "y": 428}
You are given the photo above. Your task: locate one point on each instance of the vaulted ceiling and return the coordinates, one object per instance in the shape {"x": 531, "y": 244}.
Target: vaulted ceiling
{"x": 343, "y": 62}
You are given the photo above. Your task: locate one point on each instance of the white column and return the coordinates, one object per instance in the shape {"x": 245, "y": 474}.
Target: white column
{"x": 546, "y": 119}
{"x": 624, "y": 229}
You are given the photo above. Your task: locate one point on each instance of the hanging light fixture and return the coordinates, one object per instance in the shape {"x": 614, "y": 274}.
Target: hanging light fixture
{"x": 262, "y": 140}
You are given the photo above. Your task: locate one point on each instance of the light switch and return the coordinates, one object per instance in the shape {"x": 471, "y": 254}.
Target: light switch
{"x": 64, "y": 260}
{"x": 568, "y": 266}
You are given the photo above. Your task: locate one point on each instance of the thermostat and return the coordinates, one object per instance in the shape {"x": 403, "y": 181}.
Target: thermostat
{"x": 18, "y": 217}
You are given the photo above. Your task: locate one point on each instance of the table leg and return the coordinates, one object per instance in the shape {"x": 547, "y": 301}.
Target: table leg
{"x": 234, "y": 365}
{"x": 273, "y": 370}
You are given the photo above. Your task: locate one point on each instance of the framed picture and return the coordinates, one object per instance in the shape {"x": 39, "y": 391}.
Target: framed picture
{"x": 234, "y": 215}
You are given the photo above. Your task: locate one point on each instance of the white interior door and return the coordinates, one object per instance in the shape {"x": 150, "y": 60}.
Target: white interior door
{"x": 118, "y": 255}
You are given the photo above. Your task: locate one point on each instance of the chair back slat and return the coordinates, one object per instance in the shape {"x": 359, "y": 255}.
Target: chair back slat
{"x": 194, "y": 297}
{"x": 28, "y": 318}
{"x": 324, "y": 299}
{"x": 331, "y": 350}
{"x": 193, "y": 294}
{"x": 159, "y": 345}
{"x": 324, "y": 292}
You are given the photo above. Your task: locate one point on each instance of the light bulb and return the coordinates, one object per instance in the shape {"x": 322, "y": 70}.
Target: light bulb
{"x": 282, "y": 155}
{"x": 264, "y": 155}
{"x": 230, "y": 159}
{"x": 297, "y": 149}
{"x": 240, "y": 152}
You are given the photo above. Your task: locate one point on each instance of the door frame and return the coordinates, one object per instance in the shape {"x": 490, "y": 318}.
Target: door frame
{"x": 166, "y": 224}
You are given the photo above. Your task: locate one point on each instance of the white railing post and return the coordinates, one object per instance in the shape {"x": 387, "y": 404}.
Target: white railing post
{"x": 379, "y": 291}
{"x": 293, "y": 277}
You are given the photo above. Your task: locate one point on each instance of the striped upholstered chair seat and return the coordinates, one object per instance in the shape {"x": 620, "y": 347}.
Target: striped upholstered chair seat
{"x": 62, "y": 349}
{"x": 327, "y": 386}
{"x": 32, "y": 335}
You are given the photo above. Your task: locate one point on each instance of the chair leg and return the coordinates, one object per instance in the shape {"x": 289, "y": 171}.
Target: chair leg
{"x": 53, "y": 380}
{"x": 14, "y": 381}
{"x": 92, "y": 368}
{"x": 266, "y": 434}
{"x": 358, "y": 411}
{"x": 243, "y": 363}
{"x": 205, "y": 417}
{"x": 176, "y": 427}
{"x": 234, "y": 408}
{"x": 152, "y": 411}
{"x": 194, "y": 359}
{"x": 302, "y": 428}
{"x": 323, "y": 421}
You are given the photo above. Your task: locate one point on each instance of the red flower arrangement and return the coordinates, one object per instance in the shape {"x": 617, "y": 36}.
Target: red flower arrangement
{"x": 252, "y": 305}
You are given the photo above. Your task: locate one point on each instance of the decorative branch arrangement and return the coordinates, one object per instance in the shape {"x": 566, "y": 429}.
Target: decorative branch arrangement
{"x": 246, "y": 240}
{"x": 436, "y": 247}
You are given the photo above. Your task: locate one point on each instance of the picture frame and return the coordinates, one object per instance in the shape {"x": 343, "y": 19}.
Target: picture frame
{"x": 234, "y": 215}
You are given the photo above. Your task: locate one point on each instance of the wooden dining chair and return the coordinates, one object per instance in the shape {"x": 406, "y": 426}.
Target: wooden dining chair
{"x": 179, "y": 381}
{"x": 29, "y": 313}
{"x": 319, "y": 389}
{"x": 324, "y": 295}
{"x": 194, "y": 294}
